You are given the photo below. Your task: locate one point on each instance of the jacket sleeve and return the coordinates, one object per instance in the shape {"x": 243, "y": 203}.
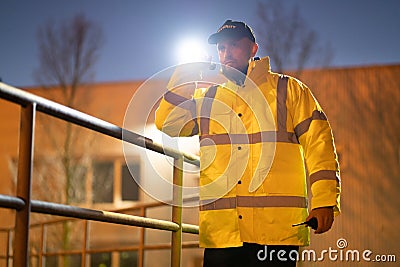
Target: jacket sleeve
{"x": 176, "y": 114}
{"x": 314, "y": 133}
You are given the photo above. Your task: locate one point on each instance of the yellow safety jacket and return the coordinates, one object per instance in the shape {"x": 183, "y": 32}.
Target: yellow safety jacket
{"x": 255, "y": 141}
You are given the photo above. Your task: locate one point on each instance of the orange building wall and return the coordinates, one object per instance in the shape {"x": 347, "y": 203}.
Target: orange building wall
{"x": 362, "y": 105}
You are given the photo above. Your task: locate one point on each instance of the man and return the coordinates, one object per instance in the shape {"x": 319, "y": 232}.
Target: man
{"x": 249, "y": 199}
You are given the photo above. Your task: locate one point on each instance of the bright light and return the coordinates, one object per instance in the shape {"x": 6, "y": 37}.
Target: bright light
{"x": 191, "y": 50}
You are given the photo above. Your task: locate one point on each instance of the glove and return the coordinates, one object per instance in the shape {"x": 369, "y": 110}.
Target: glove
{"x": 184, "y": 78}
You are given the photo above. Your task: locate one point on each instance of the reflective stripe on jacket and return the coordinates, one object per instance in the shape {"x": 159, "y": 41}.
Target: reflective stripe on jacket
{"x": 255, "y": 140}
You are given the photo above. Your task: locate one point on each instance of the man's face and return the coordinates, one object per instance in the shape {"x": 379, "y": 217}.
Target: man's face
{"x": 236, "y": 53}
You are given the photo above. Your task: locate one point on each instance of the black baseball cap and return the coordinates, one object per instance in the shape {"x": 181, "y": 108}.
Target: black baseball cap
{"x": 232, "y": 29}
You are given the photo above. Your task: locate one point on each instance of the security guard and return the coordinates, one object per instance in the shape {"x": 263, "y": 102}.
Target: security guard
{"x": 258, "y": 131}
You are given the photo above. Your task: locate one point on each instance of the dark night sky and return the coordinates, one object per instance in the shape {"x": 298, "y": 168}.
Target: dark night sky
{"x": 141, "y": 38}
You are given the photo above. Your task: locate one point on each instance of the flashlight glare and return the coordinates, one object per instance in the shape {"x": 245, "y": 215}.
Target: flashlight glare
{"x": 191, "y": 50}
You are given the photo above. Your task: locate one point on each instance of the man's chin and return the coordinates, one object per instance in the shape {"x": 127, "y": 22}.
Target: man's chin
{"x": 233, "y": 73}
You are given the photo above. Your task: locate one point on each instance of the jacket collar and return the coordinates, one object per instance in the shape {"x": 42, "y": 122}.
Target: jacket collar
{"x": 258, "y": 66}
{"x": 257, "y": 69}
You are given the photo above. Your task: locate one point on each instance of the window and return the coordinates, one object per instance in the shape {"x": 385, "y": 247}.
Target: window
{"x": 103, "y": 182}
{"x": 128, "y": 259}
{"x": 112, "y": 181}
{"x": 129, "y": 187}
{"x": 68, "y": 260}
{"x": 100, "y": 260}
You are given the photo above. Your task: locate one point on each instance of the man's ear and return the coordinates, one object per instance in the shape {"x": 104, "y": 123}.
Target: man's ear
{"x": 254, "y": 49}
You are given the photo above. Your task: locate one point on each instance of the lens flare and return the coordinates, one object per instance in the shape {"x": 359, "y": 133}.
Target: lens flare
{"x": 191, "y": 50}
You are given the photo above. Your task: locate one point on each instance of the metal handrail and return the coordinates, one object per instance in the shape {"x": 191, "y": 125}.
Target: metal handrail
{"x": 57, "y": 110}
{"x": 38, "y": 206}
{"x": 23, "y": 204}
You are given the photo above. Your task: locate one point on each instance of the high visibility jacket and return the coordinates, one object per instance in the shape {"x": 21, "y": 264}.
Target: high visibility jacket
{"x": 255, "y": 140}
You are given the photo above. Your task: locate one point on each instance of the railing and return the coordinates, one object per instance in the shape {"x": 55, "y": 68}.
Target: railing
{"x": 85, "y": 250}
{"x": 24, "y": 205}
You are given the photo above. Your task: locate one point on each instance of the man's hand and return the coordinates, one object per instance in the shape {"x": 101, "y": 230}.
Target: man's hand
{"x": 324, "y": 217}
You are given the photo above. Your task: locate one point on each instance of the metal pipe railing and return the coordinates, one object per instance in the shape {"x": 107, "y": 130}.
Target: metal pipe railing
{"x": 24, "y": 187}
{"x": 91, "y": 214}
{"x": 54, "y": 109}
{"x": 85, "y": 250}
{"x": 10, "y": 202}
{"x": 177, "y": 211}
{"x": 24, "y": 205}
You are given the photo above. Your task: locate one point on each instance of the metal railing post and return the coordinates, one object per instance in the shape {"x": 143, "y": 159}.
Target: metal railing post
{"x": 25, "y": 165}
{"x": 142, "y": 240}
{"x": 9, "y": 243}
{"x": 176, "y": 246}
{"x": 43, "y": 235}
{"x": 85, "y": 245}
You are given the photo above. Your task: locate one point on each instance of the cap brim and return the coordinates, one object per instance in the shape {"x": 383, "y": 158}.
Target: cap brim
{"x": 213, "y": 38}
{"x": 225, "y": 34}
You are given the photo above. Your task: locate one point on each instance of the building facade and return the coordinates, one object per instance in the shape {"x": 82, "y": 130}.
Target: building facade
{"x": 361, "y": 103}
